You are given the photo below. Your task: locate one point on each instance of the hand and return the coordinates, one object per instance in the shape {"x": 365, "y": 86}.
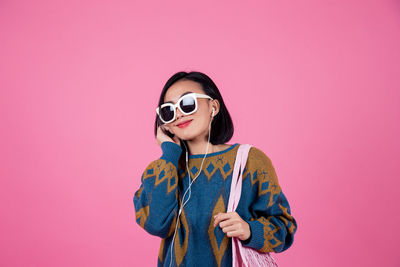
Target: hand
{"x": 232, "y": 224}
{"x": 162, "y": 137}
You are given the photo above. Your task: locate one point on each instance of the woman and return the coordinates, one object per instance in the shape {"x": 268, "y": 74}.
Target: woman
{"x": 184, "y": 194}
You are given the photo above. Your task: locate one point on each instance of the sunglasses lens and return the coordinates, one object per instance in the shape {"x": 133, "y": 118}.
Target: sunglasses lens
{"x": 188, "y": 104}
{"x": 167, "y": 113}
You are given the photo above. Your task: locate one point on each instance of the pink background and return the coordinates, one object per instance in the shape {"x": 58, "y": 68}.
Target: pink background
{"x": 314, "y": 84}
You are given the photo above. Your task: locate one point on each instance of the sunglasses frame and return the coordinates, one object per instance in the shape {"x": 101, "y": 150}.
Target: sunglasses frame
{"x": 177, "y": 105}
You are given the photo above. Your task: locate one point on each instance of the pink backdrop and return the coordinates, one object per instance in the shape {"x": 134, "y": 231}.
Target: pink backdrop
{"x": 314, "y": 84}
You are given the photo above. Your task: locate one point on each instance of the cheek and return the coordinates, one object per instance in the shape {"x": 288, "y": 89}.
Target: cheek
{"x": 201, "y": 120}
{"x": 202, "y": 114}
{"x": 202, "y": 127}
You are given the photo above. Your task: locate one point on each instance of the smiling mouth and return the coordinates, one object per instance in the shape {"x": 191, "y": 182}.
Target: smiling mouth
{"x": 184, "y": 124}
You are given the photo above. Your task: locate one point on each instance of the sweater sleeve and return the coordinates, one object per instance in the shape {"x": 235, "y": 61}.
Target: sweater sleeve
{"x": 272, "y": 226}
{"x": 156, "y": 201}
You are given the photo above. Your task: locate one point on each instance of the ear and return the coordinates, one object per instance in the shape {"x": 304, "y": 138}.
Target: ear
{"x": 215, "y": 105}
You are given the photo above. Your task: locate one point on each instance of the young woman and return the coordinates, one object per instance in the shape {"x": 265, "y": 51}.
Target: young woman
{"x": 184, "y": 194}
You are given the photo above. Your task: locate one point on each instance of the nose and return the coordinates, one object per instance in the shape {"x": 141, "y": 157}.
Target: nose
{"x": 179, "y": 114}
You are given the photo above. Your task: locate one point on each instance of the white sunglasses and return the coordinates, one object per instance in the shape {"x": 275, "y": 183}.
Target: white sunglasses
{"x": 187, "y": 104}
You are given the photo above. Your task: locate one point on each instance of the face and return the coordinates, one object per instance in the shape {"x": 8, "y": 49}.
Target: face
{"x": 200, "y": 120}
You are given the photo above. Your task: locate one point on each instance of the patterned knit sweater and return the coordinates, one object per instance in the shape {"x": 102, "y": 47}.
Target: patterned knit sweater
{"x": 197, "y": 242}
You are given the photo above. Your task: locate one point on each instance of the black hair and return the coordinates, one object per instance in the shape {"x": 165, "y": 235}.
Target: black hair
{"x": 221, "y": 126}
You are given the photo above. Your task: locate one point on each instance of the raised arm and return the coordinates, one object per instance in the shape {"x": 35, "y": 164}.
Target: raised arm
{"x": 156, "y": 201}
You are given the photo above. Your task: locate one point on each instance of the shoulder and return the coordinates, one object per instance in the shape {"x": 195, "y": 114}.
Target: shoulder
{"x": 258, "y": 158}
{"x": 258, "y": 162}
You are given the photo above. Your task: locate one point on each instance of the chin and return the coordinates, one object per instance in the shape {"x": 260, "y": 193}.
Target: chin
{"x": 186, "y": 135}
{"x": 191, "y": 132}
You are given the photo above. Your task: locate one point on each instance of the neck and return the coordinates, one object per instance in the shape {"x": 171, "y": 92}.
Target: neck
{"x": 199, "y": 145}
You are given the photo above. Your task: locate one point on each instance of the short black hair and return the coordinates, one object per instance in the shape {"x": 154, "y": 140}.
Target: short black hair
{"x": 222, "y": 125}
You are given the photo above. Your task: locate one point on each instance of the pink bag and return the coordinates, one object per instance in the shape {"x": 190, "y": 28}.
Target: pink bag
{"x": 244, "y": 256}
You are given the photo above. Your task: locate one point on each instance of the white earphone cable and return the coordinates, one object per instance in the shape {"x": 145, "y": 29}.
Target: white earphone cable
{"x": 190, "y": 183}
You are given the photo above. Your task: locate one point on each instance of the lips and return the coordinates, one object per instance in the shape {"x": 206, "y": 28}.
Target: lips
{"x": 184, "y": 123}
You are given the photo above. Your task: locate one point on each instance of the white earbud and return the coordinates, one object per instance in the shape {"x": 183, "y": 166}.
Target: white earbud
{"x": 190, "y": 181}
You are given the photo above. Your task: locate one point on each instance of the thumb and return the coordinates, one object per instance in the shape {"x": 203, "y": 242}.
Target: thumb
{"x": 176, "y": 139}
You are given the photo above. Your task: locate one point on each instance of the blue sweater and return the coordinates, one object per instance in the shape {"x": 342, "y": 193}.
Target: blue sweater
{"x": 197, "y": 242}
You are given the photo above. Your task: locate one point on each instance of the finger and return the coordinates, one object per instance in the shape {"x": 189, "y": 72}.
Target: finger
{"x": 228, "y": 222}
{"x": 224, "y": 216}
{"x": 225, "y": 213}
{"x": 217, "y": 218}
{"x": 167, "y": 130}
{"x": 229, "y": 228}
{"x": 236, "y": 233}
{"x": 221, "y": 217}
{"x": 177, "y": 140}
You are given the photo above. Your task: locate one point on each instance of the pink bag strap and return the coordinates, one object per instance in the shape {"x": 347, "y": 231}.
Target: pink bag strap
{"x": 236, "y": 184}
{"x": 241, "y": 256}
